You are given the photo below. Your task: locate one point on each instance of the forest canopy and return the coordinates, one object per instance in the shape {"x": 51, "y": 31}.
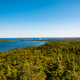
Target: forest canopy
{"x": 51, "y": 61}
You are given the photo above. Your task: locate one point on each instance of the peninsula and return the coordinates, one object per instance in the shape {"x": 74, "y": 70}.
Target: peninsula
{"x": 6, "y": 41}
{"x": 52, "y": 40}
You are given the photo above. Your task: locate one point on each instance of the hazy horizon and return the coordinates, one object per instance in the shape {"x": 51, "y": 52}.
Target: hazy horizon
{"x": 41, "y": 37}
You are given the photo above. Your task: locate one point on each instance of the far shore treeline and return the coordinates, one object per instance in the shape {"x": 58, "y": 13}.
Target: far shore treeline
{"x": 6, "y": 40}
{"x": 54, "y": 60}
{"x": 47, "y": 40}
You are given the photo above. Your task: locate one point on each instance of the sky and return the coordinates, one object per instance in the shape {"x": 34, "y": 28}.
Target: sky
{"x": 39, "y": 18}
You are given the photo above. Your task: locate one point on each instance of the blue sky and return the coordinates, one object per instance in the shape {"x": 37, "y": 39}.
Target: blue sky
{"x": 39, "y": 18}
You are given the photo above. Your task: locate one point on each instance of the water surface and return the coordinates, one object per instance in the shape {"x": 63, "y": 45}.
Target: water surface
{"x": 5, "y": 46}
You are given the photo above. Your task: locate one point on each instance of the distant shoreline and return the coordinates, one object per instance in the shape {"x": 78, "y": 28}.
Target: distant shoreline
{"x": 42, "y": 39}
{"x": 6, "y": 40}
{"x": 51, "y": 40}
{"x": 38, "y": 40}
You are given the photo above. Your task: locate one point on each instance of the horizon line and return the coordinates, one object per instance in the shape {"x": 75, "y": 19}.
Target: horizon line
{"x": 39, "y": 37}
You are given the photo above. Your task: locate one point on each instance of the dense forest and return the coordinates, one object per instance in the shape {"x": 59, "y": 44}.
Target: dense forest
{"x": 52, "y": 61}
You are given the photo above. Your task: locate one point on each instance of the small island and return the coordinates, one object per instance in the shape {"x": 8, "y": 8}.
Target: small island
{"x": 6, "y": 40}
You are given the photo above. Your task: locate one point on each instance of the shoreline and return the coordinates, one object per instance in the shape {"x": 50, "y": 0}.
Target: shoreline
{"x": 6, "y": 41}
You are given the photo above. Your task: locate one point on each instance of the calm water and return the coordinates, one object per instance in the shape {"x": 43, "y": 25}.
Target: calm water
{"x": 5, "y": 46}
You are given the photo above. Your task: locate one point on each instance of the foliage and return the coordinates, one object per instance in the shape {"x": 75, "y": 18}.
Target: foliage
{"x": 51, "y": 61}
{"x": 6, "y": 41}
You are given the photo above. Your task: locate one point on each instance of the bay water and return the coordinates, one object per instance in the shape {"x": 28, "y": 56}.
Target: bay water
{"x": 5, "y": 46}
